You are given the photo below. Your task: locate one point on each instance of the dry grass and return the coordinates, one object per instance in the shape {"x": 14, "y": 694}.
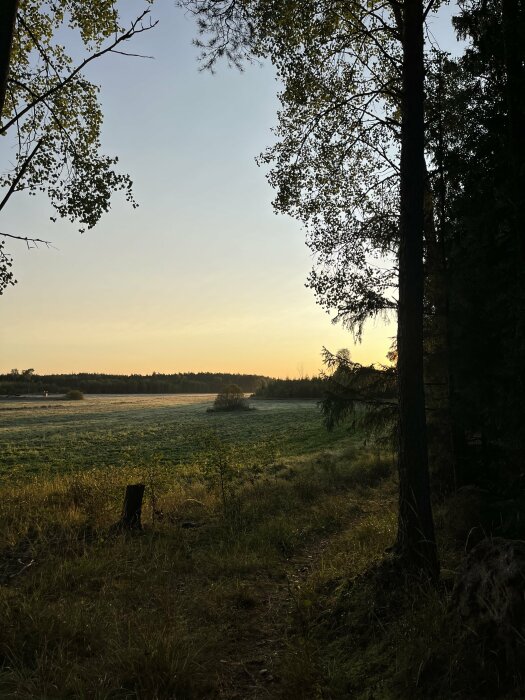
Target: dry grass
{"x": 271, "y": 584}
{"x": 169, "y": 612}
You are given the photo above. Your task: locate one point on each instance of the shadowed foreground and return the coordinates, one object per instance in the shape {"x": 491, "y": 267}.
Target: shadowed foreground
{"x": 269, "y": 588}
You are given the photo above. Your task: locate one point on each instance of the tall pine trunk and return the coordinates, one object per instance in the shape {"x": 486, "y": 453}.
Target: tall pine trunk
{"x": 416, "y": 544}
{"x": 441, "y": 456}
{"x": 513, "y": 16}
{"x": 8, "y": 10}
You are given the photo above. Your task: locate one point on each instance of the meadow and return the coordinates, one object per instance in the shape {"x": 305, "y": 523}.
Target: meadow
{"x": 45, "y": 437}
{"x": 259, "y": 571}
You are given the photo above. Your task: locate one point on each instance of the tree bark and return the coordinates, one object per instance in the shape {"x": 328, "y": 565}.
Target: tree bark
{"x": 8, "y": 10}
{"x": 416, "y": 544}
{"x": 442, "y": 461}
{"x": 513, "y": 19}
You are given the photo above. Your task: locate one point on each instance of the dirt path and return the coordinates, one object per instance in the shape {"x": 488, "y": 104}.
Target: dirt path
{"x": 258, "y": 634}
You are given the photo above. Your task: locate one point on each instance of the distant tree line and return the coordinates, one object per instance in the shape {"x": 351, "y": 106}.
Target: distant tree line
{"x": 27, "y": 382}
{"x": 303, "y": 388}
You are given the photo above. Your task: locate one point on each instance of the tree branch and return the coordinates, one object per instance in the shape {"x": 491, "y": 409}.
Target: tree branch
{"x": 27, "y": 240}
{"x": 35, "y": 41}
{"x": 134, "y": 29}
{"x": 428, "y": 8}
{"x": 133, "y": 55}
{"x": 20, "y": 174}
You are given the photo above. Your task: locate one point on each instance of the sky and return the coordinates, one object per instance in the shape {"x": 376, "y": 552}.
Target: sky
{"x": 203, "y": 276}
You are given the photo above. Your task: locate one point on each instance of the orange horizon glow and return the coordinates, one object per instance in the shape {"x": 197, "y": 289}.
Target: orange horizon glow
{"x": 277, "y": 344}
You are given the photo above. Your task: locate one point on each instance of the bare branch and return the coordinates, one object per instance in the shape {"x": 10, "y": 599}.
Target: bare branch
{"x": 428, "y": 9}
{"x": 134, "y": 55}
{"x": 398, "y": 14}
{"x": 31, "y": 242}
{"x": 25, "y": 567}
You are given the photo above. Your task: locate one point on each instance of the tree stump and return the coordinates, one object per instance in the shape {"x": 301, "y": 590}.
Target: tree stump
{"x": 132, "y": 508}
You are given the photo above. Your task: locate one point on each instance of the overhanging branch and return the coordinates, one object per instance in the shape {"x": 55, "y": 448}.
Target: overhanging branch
{"x": 136, "y": 28}
{"x": 31, "y": 242}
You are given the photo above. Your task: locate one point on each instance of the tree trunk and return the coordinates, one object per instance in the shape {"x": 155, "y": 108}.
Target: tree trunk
{"x": 132, "y": 508}
{"x": 442, "y": 462}
{"x": 513, "y": 16}
{"x": 8, "y": 10}
{"x": 416, "y": 544}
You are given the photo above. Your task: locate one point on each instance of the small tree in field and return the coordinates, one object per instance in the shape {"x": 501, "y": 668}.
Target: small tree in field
{"x": 231, "y": 398}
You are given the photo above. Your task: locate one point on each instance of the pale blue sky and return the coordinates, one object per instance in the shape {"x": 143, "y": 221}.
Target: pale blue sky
{"x": 203, "y": 276}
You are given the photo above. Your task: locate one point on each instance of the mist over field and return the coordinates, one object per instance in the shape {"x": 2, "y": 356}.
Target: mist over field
{"x": 123, "y": 430}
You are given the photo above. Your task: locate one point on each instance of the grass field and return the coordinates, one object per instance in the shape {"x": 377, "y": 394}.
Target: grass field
{"x": 260, "y": 572}
{"x": 46, "y": 437}
{"x": 177, "y": 610}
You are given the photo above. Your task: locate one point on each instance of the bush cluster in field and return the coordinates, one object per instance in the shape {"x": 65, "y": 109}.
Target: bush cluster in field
{"x": 74, "y": 395}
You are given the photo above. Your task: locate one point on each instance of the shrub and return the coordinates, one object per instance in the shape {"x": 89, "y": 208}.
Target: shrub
{"x": 74, "y": 395}
{"x": 231, "y": 399}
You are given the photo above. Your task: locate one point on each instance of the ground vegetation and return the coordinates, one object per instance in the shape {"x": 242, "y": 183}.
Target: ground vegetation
{"x": 256, "y": 572}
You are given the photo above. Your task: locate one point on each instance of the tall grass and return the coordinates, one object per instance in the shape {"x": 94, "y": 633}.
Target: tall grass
{"x": 63, "y": 437}
{"x": 159, "y": 615}
{"x": 256, "y": 575}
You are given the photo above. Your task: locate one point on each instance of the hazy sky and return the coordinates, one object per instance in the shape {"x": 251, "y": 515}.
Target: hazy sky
{"x": 203, "y": 276}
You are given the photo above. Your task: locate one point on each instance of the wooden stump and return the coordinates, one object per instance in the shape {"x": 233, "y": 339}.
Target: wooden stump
{"x": 132, "y": 508}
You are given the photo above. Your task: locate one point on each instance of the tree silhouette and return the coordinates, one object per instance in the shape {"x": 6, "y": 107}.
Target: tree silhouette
{"x": 360, "y": 66}
{"x": 51, "y": 113}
